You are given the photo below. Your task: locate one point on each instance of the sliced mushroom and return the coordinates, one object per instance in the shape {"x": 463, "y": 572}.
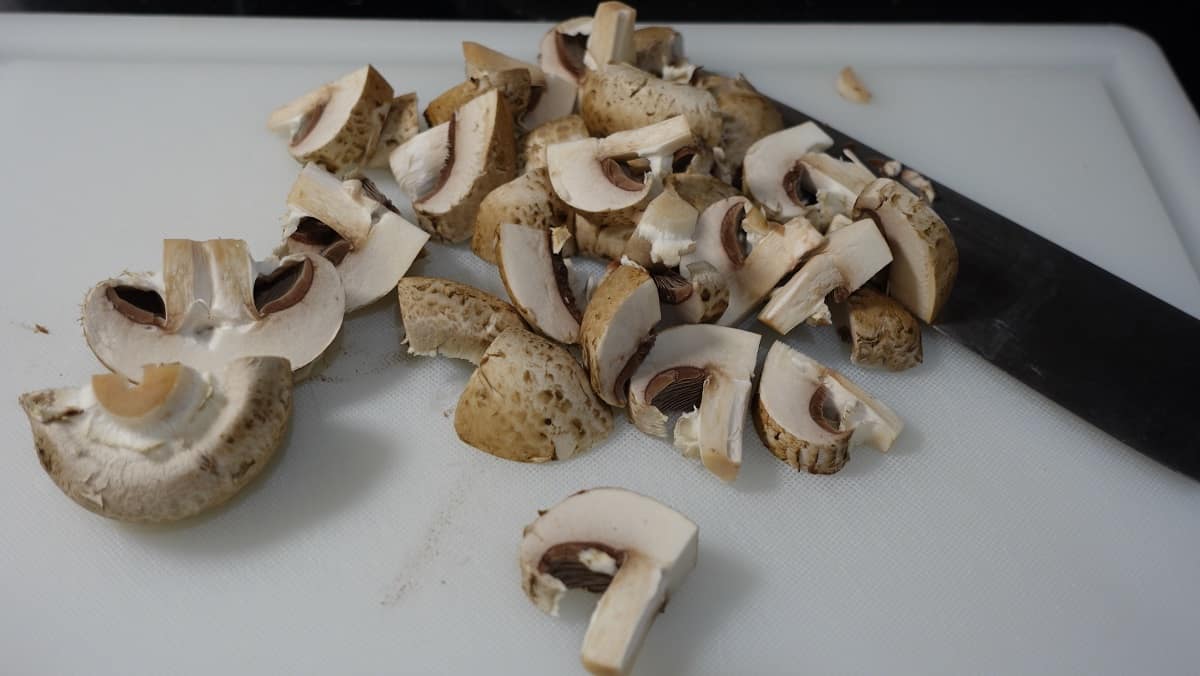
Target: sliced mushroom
{"x": 809, "y": 415}
{"x": 402, "y": 123}
{"x": 926, "y": 259}
{"x": 447, "y": 318}
{"x": 514, "y": 86}
{"x": 699, "y": 191}
{"x": 550, "y": 96}
{"x": 562, "y": 50}
{"x": 706, "y": 298}
{"x": 880, "y": 331}
{"x": 531, "y": 148}
{"x": 447, "y": 170}
{"x": 179, "y": 443}
{"x": 706, "y": 372}
{"x": 851, "y": 88}
{"x": 615, "y": 331}
{"x": 357, "y": 228}
{"x": 668, "y": 225}
{"x": 611, "y": 38}
{"x": 772, "y": 171}
{"x": 632, "y": 549}
{"x": 835, "y": 185}
{"x": 339, "y": 123}
{"x": 537, "y": 281}
{"x": 213, "y": 303}
{"x": 528, "y": 199}
{"x": 659, "y": 50}
{"x": 530, "y": 401}
{"x": 620, "y": 97}
{"x": 746, "y": 115}
{"x": 852, "y": 255}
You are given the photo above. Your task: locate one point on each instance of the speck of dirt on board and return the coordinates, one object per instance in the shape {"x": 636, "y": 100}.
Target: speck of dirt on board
{"x": 38, "y": 328}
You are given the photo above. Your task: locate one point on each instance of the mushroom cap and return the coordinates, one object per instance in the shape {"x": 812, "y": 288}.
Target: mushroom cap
{"x": 702, "y": 366}
{"x": 926, "y": 258}
{"x": 620, "y": 97}
{"x": 537, "y": 281}
{"x": 188, "y": 447}
{"x": 530, "y": 401}
{"x": 809, "y": 415}
{"x": 451, "y": 319}
{"x": 659, "y": 50}
{"x": 631, "y": 548}
{"x": 513, "y": 85}
{"x": 616, "y": 326}
{"x": 338, "y": 124}
{"x": 770, "y": 170}
{"x": 531, "y": 148}
{"x": 746, "y": 115}
{"x": 216, "y": 304}
{"x": 528, "y": 199}
{"x": 481, "y": 60}
{"x": 880, "y": 331}
{"x": 403, "y": 122}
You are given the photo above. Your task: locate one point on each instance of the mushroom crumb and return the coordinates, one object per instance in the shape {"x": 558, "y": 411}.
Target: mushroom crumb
{"x": 38, "y": 328}
{"x": 851, "y": 87}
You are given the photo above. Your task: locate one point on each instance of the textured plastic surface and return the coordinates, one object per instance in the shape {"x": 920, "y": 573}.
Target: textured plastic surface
{"x": 1000, "y": 535}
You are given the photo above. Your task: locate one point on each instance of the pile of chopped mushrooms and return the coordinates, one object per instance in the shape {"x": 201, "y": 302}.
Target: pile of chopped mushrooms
{"x": 614, "y": 147}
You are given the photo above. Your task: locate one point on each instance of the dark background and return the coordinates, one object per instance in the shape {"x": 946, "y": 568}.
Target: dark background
{"x": 1169, "y": 27}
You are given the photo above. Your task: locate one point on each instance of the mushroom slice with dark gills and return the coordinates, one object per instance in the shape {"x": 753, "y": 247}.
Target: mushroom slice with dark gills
{"x": 616, "y": 329}
{"x": 772, "y": 173}
{"x": 538, "y": 281}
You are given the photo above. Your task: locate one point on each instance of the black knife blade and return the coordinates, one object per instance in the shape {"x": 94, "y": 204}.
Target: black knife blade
{"x": 1109, "y": 352}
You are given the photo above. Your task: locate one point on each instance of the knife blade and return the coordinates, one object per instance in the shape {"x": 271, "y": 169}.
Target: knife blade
{"x": 1104, "y": 349}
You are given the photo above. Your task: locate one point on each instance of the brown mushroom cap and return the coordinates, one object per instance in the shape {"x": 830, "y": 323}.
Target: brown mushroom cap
{"x": 451, "y": 319}
{"x": 619, "y": 97}
{"x": 880, "y": 331}
{"x": 528, "y": 199}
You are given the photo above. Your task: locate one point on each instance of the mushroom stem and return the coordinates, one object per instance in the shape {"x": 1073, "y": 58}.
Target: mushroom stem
{"x": 623, "y": 616}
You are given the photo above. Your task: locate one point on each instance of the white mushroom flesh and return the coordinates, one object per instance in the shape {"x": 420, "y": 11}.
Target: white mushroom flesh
{"x": 771, "y": 169}
{"x": 537, "y": 281}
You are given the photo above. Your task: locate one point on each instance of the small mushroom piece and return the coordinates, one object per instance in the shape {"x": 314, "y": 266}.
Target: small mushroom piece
{"x": 926, "y": 259}
{"x": 746, "y": 115}
{"x": 608, "y": 242}
{"x": 447, "y": 170}
{"x": 357, "y": 228}
{"x": 851, "y": 88}
{"x": 698, "y": 190}
{"x": 629, "y": 548}
{"x": 659, "y": 50}
{"x": 668, "y": 224}
{"x": 918, "y": 184}
{"x": 611, "y": 39}
{"x": 706, "y": 298}
{"x": 531, "y": 148}
{"x": 835, "y": 184}
{"x": 550, "y": 96}
{"x": 514, "y": 86}
{"x": 402, "y": 123}
{"x": 213, "y": 303}
{"x": 706, "y": 372}
{"x": 616, "y": 327}
{"x": 179, "y": 443}
{"x": 538, "y": 281}
{"x": 528, "y": 199}
{"x": 772, "y": 171}
{"x": 451, "y": 319}
{"x": 809, "y": 415}
{"x": 530, "y": 401}
{"x": 562, "y": 49}
{"x": 880, "y": 331}
{"x": 337, "y": 124}
{"x": 851, "y": 257}
{"x": 621, "y": 97}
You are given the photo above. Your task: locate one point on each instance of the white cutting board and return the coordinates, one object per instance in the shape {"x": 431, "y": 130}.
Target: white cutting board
{"x": 1001, "y": 534}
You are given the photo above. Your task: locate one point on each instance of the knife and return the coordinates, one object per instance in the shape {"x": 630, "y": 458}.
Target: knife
{"x": 1109, "y": 352}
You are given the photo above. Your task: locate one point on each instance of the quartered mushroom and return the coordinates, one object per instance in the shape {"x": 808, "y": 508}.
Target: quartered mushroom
{"x": 177, "y": 444}
{"x": 926, "y": 258}
{"x": 213, "y": 303}
{"x": 880, "y": 331}
{"x": 562, "y": 49}
{"x": 659, "y": 50}
{"x": 735, "y": 237}
{"x": 616, "y": 329}
{"x": 697, "y": 294}
{"x": 809, "y": 415}
{"x": 629, "y": 548}
{"x": 668, "y": 226}
{"x": 851, "y": 257}
{"x": 451, "y": 319}
{"x": 705, "y": 371}
{"x": 531, "y": 148}
{"x": 620, "y": 97}
{"x": 447, "y": 170}
{"x": 339, "y": 123}
{"x": 514, "y": 86}
{"x": 530, "y": 401}
{"x": 538, "y": 281}
{"x": 403, "y": 122}
{"x": 356, "y": 227}
{"x": 550, "y": 97}
{"x": 528, "y": 199}
{"x": 771, "y": 171}
{"x": 834, "y": 184}
{"x": 746, "y": 116}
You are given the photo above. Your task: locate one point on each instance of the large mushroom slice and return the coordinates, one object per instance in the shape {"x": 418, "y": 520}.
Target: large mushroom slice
{"x": 851, "y": 257}
{"x": 447, "y": 170}
{"x": 615, "y": 331}
{"x": 620, "y": 97}
{"x": 668, "y": 226}
{"x": 659, "y": 50}
{"x": 809, "y": 415}
{"x": 339, "y": 123}
{"x": 531, "y": 148}
{"x": 706, "y": 372}
{"x": 356, "y": 227}
{"x": 880, "y": 331}
{"x": 537, "y": 281}
{"x": 451, "y": 319}
{"x": 178, "y": 444}
{"x": 632, "y": 549}
{"x": 771, "y": 171}
{"x": 746, "y": 116}
{"x": 514, "y": 87}
{"x": 213, "y": 303}
{"x": 926, "y": 259}
{"x": 735, "y": 237}
{"x": 530, "y": 401}
{"x": 403, "y": 122}
{"x": 528, "y": 199}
